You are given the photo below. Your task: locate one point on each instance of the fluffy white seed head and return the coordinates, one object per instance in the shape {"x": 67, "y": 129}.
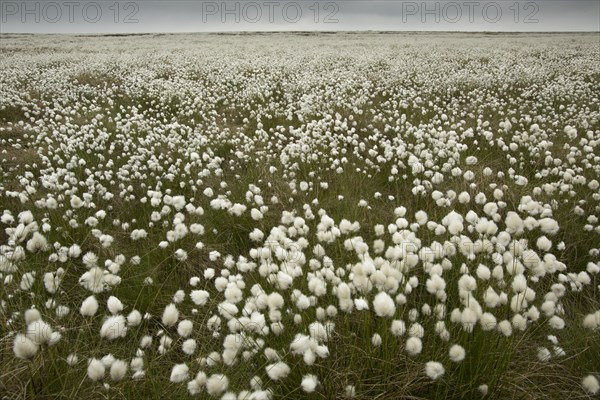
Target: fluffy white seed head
{"x": 170, "y": 315}
{"x": 384, "y": 305}
{"x": 457, "y": 353}
{"x": 114, "y": 327}
{"x": 309, "y": 383}
{"x": 217, "y": 384}
{"x": 96, "y": 369}
{"x": 180, "y": 373}
{"x": 118, "y": 370}
{"x": 89, "y": 306}
{"x": 24, "y": 347}
{"x": 114, "y": 305}
{"x": 434, "y": 370}
{"x": 591, "y": 385}
{"x": 278, "y": 370}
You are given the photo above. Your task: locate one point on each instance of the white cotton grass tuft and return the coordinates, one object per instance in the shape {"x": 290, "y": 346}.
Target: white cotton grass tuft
{"x": 556, "y": 322}
{"x": 193, "y": 387}
{"x": 185, "y": 328}
{"x": 278, "y": 370}
{"x": 114, "y": 327}
{"x": 189, "y": 346}
{"x": 376, "y": 340}
{"x": 434, "y": 370}
{"x": 118, "y": 370}
{"x": 170, "y": 315}
{"x": 108, "y": 360}
{"x": 543, "y": 354}
{"x": 217, "y": 384}
{"x": 483, "y": 389}
{"x": 180, "y": 373}
{"x": 309, "y": 383}
{"x": 398, "y": 327}
{"x": 383, "y": 305}
{"x": 414, "y": 346}
{"x": 350, "y": 391}
{"x": 591, "y": 385}
{"x": 96, "y": 369}
{"x": 457, "y": 353}
{"x": 72, "y": 359}
{"x": 23, "y": 347}
{"x": 199, "y": 297}
{"x": 134, "y": 318}
{"x": 32, "y": 315}
{"x": 114, "y": 305}
{"x": 40, "y": 332}
{"x": 89, "y": 306}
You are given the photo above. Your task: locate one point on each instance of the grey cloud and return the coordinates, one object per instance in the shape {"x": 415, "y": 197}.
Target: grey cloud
{"x": 203, "y": 16}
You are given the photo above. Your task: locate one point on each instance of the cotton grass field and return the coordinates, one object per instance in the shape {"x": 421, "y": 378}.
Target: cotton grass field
{"x": 300, "y": 216}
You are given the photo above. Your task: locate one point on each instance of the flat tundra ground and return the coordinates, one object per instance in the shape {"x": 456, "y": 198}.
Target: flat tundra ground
{"x": 300, "y": 216}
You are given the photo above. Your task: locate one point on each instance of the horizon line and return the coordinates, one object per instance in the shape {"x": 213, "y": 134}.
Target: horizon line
{"x": 286, "y": 31}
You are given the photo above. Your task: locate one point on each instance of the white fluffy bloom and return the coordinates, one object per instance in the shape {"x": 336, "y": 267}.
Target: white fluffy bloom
{"x": 40, "y": 332}
{"x": 278, "y": 370}
{"x": 376, "y": 340}
{"x": 556, "y": 322}
{"x": 31, "y": 315}
{"x": 189, "y": 347}
{"x": 185, "y": 328}
{"x": 138, "y": 234}
{"x": 179, "y": 373}
{"x": 23, "y": 347}
{"x": 72, "y": 359}
{"x": 114, "y": 327}
{"x": 134, "y": 318}
{"x": 549, "y": 226}
{"x": 414, "y": 346}
{"x": 467, "y": 283}
{"x": 114, "y": 305}
{"x": 309, "y": 383}
{"x": 590, "y": 384}
{"x": 37, "y": 242}
{"x": 108, "y": 360}
{"x": 384, "y": 305}
{"x": 543, "y": 243}
{"x": 89, "y": 307}
{"x": 505, "y": 328}
{"x": 237, "y": 209}
{"x": 217, "y": 384}
{"x": 457, "y": 353}
{"x": 181, "y": 255}
{"x": 118, "y": 370}
{"x": 483, "y": 389}
{"x": 170, "y": 315}
{"x": 199, "y": 297}
{"x": 398, "y": 328}
{"x": 514, "y": 223}
{"x": 96, "y": 369}
{"x": 350, "y": 391}
{"x": 543, "y": 354}
{"x": 434, "y": 370}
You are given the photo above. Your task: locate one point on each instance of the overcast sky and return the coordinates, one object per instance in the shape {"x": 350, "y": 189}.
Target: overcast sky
{"x": 110, "y": 16}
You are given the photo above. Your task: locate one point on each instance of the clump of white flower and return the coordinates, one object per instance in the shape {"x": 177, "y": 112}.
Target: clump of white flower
{"x": 179, "y": 373}
{"x": 278, "y": 370}
{"x": 591, "y": 385}
{"x": 309, "y": 383}
{"x": 96, "y": 369}
{"x": 434, "y": 370}
{"x": 457, "y": 353}
{"x": 383, "y": 305}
